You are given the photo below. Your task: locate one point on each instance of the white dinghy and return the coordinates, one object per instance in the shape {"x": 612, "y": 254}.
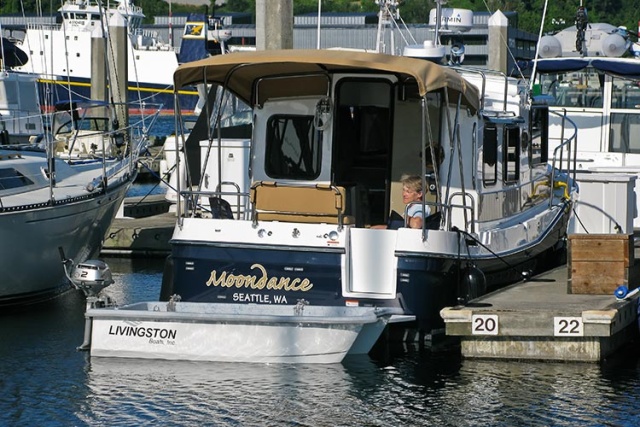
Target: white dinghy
{"x": 221, "y": 332}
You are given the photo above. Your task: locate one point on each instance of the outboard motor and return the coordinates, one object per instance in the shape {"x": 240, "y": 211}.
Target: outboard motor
{"x": 91, "y": 277}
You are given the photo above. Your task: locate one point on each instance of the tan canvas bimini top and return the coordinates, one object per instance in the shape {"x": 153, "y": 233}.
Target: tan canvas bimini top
{"x": 243, "y": 69}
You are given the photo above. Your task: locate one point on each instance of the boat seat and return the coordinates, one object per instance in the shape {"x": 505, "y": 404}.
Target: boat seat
{"x": 320, "y": 203}
{"x": 220, "y": 208}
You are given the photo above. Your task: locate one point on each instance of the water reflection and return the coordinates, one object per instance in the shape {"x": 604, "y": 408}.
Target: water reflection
{"x": 420, "y": 388}
{"x": 226, "y": 393}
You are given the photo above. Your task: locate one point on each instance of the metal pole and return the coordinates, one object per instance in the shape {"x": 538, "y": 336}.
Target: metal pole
{"x": 319, "y": 15}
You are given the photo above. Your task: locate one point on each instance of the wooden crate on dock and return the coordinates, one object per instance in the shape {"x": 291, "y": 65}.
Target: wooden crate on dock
{"x": 599, "y": 263}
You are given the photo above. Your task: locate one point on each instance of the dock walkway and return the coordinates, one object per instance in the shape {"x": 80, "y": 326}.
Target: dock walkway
{"x": 540, "y": 320}
{"x": 143, "y": 230}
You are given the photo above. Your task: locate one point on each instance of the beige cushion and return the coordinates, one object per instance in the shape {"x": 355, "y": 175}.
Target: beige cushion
{"x": 319, "y": 204}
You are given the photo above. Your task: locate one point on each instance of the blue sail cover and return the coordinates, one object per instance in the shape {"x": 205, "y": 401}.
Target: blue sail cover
{"x": 561, "y": 65}
{"x": 620, "y": 67}
{"x": 624, "y": 67}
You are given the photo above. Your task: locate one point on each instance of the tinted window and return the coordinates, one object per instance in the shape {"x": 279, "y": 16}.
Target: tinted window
{"x": 293, "y": 147}
{"x": 490, "y": 155}
{"x": 511, "y": 154}
{"x": 539, "y": 121}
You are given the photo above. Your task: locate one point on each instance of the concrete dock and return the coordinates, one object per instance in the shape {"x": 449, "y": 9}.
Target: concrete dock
{"x": 142, "y": 229}
{"x": 541, "y": 320}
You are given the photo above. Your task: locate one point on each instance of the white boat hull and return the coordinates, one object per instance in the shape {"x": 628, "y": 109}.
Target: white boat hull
{"x": 31, "y": 267}
{"x": 232, "y": 332}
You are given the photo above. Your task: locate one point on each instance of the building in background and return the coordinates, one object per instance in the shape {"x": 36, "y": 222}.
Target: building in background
{"x": 341, "y": 30}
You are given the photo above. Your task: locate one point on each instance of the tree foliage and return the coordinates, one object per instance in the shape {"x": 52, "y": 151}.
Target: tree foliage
{"x": 560, "y": 13}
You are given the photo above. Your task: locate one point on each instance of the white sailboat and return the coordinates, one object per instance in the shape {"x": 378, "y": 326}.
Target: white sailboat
{"x": 59, "y": 189}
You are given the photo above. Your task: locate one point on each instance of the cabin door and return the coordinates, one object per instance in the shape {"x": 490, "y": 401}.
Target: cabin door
{"x": 362, "y": 146}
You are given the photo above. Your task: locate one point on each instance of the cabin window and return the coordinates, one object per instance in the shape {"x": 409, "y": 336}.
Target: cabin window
{"x": 623, "y": 137}
{"x": 293, "y": 148}
{"x": 539, "y": 131}
{"x": 28, "y": 96}
{"x": 625, "y": 125}
{"x": 579, "y": 89}
{"x": 511, "y": 150}
{"x": 490, "y": 155}
{"x": 10, "y": 92}
{"x": 625, "y": 93}
{"x": 11, "y": 178}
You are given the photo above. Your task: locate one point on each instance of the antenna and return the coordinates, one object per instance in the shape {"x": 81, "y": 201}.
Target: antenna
{"x": 581, "y": 25}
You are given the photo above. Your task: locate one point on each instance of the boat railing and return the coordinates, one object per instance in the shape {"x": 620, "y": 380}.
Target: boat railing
{"x": 17, "y": 120}
{"x": 433, "y": 221}
{"x": 219, "y": 206}
{"x": 150, "y": 34}
{"x": 46, "y": 27}
{"x": 483, "y": 73}
{"x": 90, "y": 138}
{"x": 467, "y": 210}
{"x": 568, "y": 145}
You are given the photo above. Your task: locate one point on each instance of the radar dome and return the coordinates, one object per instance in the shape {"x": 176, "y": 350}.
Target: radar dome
{"x": 428, "y": 50}
{"x": 454, "y": 20}
{"x": 550, "y": 47}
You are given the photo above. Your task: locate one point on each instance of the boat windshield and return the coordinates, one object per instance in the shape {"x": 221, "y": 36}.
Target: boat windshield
{"x": 587, "y": 89}
{"x": 580, "y": 89}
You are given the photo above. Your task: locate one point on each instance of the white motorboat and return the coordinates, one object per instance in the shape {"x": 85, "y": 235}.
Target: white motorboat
{"x": 221, "y": 332}
{"x": 333, "y": 132}
{"x": 598, "y": 88}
